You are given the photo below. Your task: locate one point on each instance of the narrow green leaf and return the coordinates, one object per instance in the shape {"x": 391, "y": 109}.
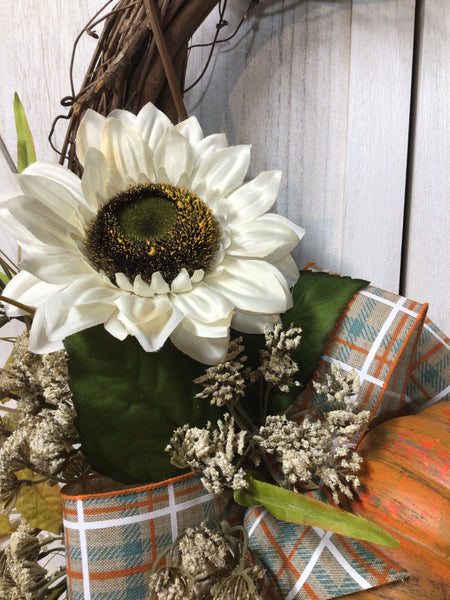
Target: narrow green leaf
{"x": 25, "y": 146}
{"x": 129, "y": 402}
{"x": 299, "y": 508}
{"x": 57, "y": 591}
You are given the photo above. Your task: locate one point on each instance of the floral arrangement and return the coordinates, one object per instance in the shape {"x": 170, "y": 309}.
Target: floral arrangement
{"x": 162, "y": 250}
{"x": 167, "y": 328}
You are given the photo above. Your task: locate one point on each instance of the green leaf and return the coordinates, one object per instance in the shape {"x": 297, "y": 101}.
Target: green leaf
{"x": 298, "y": 508}
{"x": 129, "y": 401}
{"x": 25, "y": 146}
{"x": 319, "y": 299}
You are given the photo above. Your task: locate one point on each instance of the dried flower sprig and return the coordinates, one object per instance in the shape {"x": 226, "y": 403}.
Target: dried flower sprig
{"x": 306, "y": 451}
{"x": 211, "y": 453}
{"x": 22, "y": 577}
{"x": 277, "y": 367}
{"x": 207, "y": 562}
{"x": 338, "y": 386}
{"x": 316, "y": 453}
{"x": 225, "y": 383}
{"x": 37, "y": 434}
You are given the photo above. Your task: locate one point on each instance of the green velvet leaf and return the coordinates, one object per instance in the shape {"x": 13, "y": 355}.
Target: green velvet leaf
{"x": 129, "y": 401}
{"x": 294, "y": 507}
{"x": 319, "y": 299}
{"x": 26, "y": 153}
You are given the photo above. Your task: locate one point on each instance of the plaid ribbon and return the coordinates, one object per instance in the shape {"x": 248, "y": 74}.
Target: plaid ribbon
{"x": 377, "y": 336}
{"x": 403, "y": 361}
{"x": 113, "y": 536}
{"x": 308, "y": 563}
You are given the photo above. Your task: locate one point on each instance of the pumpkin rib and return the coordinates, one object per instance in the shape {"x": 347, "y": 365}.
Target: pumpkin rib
{"x": 405, "y": 489}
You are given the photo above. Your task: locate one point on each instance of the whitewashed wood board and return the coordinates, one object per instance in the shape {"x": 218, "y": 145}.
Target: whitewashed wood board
{"x": 427, "y": 267}
{"x": 321, "y": 89}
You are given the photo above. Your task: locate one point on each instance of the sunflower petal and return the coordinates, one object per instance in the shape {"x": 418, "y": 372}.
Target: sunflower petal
{"x": 89, "y": 134}
{"x": 173, "y": 158}
{"x": 207, "y": 350}
{"x": 123, "y": 115}
{"x": 203, "y": 304}
{"x": 125, "y": 151}
{"x": 138, "y": 310}
{"x": 211, "y": 143}
{"x": 141, "y": 288}
{"x": 247, "y": 322}
{"x": 151, "y": 321}
{"x": 59, "y": 269}
{"x": 191, "y": 130}
{"x": 56, "y": 187}
{"x": 39, "y": 342}
{"x": 288, "y": 268}
{"x": 151, "y": 124}
{"x": 265, "y": 237}
{"x": 115, "y": 327}
{"x": 253, "y": 286}
{"x": 29, "y": 290}
{"x": 182, "y": 283}
{"x": 44, "y": 224}
{"x": 223, "y": 170}
{"x": 99, "y": 183}
{"x": 254, "y": 198}
{"x": 86, "y": 302}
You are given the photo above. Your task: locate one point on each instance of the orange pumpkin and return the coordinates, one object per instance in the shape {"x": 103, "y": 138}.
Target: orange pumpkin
{"x": 406, "y": 490}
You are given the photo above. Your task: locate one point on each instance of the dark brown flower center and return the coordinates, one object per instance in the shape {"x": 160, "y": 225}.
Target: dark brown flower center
{"x": 149, "y": 228}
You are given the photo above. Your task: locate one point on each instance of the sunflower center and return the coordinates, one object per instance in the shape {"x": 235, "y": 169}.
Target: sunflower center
{"x": 149, "y": 228}
{"x": 147, "y": 218}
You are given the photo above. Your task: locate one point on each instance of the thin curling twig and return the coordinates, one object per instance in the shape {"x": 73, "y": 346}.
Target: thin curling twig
{"x": 169, "y": 70}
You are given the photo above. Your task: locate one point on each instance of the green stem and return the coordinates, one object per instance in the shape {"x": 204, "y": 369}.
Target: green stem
{"x": 24, "y": 307}
{"x": 301, "y": 413}
{"x": 237, "y": 418}
{"x": 266, "y": 403}
{"x": 251, "y": 428}
{"x": 276, "y": 477}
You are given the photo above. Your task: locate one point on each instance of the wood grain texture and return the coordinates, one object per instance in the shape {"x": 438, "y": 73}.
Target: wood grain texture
{"x": 35, "y": 47}
{"x": 427, "y": 267}
{"x": 377, "y": 139}
{"x": 322, "y": 91}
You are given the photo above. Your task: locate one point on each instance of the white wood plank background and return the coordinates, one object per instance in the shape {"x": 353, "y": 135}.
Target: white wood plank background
{"x": 322, "y": 90}
{"x": 427, "y": 268}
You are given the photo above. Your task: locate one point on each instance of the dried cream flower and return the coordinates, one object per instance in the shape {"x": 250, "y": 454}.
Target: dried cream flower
{"x": 171, "y": 583}
{"x": 239, "y": 584}
{"x": 211, "y": 453}
{"x": 277, "y": 367}
{"x": 203, "y": 550}
{"x": 225, "y": 382}
{"x": 339, "y": 386}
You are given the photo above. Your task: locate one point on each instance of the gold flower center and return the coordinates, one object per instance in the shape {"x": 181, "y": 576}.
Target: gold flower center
{"x": 153, "y": 227}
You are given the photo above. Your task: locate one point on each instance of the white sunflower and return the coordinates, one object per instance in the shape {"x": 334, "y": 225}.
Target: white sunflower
{"x": 159, "y": 239}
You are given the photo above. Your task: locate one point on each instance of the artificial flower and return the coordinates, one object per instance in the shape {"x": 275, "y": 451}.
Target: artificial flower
{"x": 160, "y": 238}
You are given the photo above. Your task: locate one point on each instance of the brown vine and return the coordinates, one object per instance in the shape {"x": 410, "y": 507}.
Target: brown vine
{"x": 141, "y": 56}
{"x": 126, "y": 69}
